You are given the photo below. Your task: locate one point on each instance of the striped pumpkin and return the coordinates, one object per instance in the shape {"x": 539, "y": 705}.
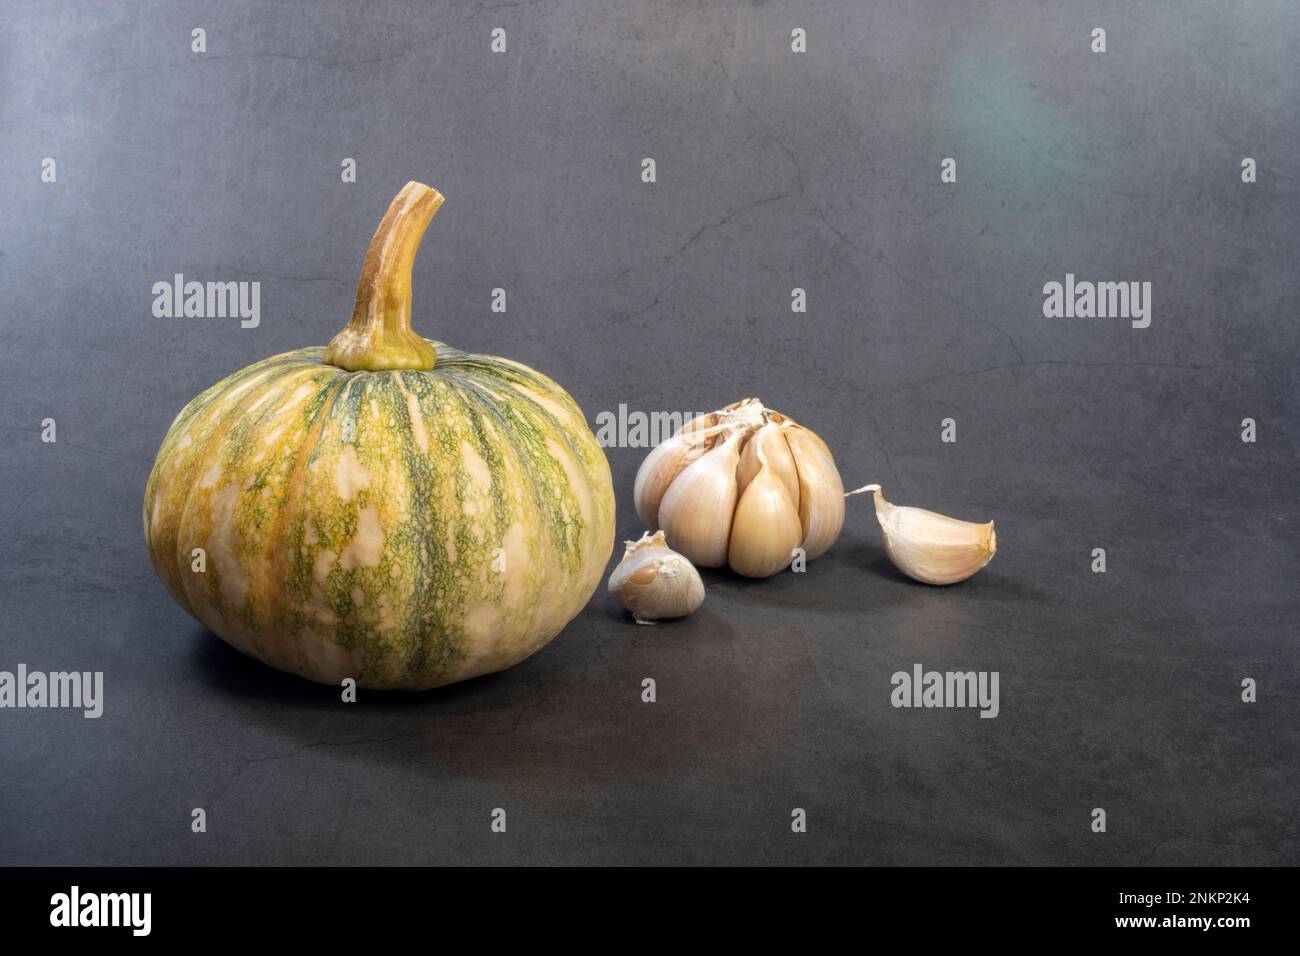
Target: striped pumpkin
{"x": 389, "y": 509}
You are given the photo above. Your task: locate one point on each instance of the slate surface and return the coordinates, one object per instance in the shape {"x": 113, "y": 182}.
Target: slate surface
{"x": 775, "y": 170}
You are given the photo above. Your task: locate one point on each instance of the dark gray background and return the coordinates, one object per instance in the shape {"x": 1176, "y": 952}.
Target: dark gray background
{"x": 775, "y": 170}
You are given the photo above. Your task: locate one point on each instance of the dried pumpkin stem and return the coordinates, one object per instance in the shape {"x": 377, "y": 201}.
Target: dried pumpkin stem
{"x": 379, "y": 336}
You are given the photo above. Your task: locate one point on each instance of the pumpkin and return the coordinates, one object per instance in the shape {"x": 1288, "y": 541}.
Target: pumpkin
{"x": 389, "y": 509}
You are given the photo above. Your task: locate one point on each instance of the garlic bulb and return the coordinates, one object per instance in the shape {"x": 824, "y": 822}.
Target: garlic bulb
{"x": 930, "y": 547}
{"x": 655, "y": 582}
{"x": 743, "y": 486}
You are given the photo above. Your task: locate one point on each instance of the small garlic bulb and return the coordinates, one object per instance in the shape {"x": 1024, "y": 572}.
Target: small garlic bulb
{"x": 696, "y": 486}
{"x": 654, "y": 582}
{"x": 930, "y": 547}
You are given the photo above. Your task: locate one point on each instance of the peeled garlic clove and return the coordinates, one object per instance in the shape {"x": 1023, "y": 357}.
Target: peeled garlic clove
{"x": 654, "y": 582}
{"x": 932, "y": 547}
{"x": 779, "y": 459}
{"x": 766, "y": 529}
{"x": 668, "y": 459}
{"x": 696, "y": 510}
{"x": 821, "y": 492}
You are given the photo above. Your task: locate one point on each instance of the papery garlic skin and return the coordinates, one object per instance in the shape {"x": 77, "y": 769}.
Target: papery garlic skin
{"x": 749, "y": 412}
{"x": 654, "y": 582}
{"x": 929, "y": 547}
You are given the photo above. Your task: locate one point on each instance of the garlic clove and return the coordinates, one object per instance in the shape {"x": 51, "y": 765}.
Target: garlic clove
{"x": 779, "y": 459}
{"x": 931, "y": 547}
{"x": 668, "y": 459}
{"x": 697, "y": 508}
{"x": 654, "y": 582}
{"x": 821, "y": 492}
{"x": 766, "y": 529}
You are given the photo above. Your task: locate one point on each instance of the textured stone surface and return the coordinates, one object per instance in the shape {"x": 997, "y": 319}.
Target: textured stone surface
{"x": 775, "y": 170}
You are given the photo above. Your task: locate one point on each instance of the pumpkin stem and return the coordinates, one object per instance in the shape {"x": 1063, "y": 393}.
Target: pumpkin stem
{"x": 379, "y": 335}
